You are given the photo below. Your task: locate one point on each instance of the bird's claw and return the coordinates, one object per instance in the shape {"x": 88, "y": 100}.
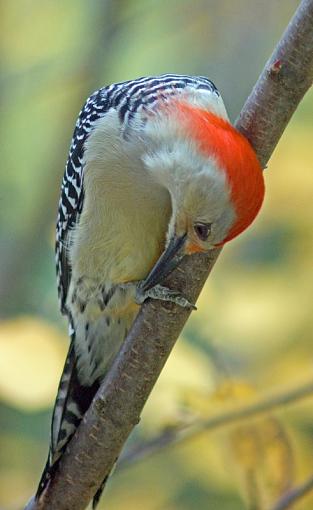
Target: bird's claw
{"x": 164, "y": 294}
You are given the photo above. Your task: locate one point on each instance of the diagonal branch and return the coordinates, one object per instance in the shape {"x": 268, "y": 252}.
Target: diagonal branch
{"x": 294, "y": 495}
{"x": 118, "y": 404}
{"x": 184, "y": 432}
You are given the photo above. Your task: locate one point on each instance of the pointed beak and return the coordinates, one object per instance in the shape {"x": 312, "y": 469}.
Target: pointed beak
{"x": 168, "y": 261}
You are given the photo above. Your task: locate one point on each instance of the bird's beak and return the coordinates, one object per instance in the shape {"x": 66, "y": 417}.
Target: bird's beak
{"x": 168, "y": 261}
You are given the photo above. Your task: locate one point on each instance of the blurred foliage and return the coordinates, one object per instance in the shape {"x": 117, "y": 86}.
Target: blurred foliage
{"x": 253, "y": 328}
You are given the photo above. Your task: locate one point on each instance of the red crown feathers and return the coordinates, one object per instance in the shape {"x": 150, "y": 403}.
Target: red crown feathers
{"x": 234, "y": 155}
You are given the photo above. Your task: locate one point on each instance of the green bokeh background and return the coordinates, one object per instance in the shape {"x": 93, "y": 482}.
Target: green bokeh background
{"x": 255, "y": 318}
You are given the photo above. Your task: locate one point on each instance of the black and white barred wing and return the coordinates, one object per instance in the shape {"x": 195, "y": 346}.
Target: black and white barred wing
{"x": 72, "y": 192}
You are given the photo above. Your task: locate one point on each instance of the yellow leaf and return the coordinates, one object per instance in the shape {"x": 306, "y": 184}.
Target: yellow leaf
{"x": 279, "y": 466}
{"x": 259, "y": 448}
{"x": 230, "y": 393}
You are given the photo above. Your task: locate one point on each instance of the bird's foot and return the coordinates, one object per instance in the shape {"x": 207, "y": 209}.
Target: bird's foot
{"x": 163, "y": 294}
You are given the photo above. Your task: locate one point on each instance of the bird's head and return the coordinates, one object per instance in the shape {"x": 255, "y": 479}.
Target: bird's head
{"x": 212, "y": 174}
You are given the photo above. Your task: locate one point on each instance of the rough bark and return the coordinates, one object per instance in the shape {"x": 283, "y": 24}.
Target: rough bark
{"x": 117, "y": 407}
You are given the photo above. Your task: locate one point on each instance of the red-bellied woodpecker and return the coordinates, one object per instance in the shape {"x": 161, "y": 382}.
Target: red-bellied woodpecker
{"x": 155, "y": 172}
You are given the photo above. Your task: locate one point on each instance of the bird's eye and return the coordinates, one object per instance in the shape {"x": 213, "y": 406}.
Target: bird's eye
{"x": 203, "y": 230}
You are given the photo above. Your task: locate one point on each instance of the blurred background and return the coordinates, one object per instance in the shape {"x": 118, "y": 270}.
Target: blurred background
{"x": 252, "y": 333}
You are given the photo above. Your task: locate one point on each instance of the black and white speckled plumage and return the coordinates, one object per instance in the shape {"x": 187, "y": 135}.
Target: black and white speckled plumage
{"x": 127, "y": 98}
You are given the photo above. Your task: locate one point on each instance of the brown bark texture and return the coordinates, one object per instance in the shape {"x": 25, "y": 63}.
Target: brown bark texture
{"x": 117, "y": 406}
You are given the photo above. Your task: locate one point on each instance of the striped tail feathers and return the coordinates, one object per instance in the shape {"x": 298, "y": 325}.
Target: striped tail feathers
{"x": 58, "y": 427}
{"x": 87, "y": 361}
{"x": 73, "y": 400}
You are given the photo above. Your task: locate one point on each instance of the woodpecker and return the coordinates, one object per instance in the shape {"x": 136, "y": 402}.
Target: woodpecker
{"x": 155, "y": 172}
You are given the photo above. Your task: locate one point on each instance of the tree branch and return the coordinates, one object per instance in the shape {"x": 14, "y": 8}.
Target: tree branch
{"x": 117, "y": 406}
{"x": 182, "y": 433}
{"x": 294, "y": 495}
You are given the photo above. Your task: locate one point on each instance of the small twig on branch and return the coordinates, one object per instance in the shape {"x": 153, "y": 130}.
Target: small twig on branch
{"x": 174, "y": 436}
{"x": 294, "y": 495}
{"x": 117, "y": 406}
